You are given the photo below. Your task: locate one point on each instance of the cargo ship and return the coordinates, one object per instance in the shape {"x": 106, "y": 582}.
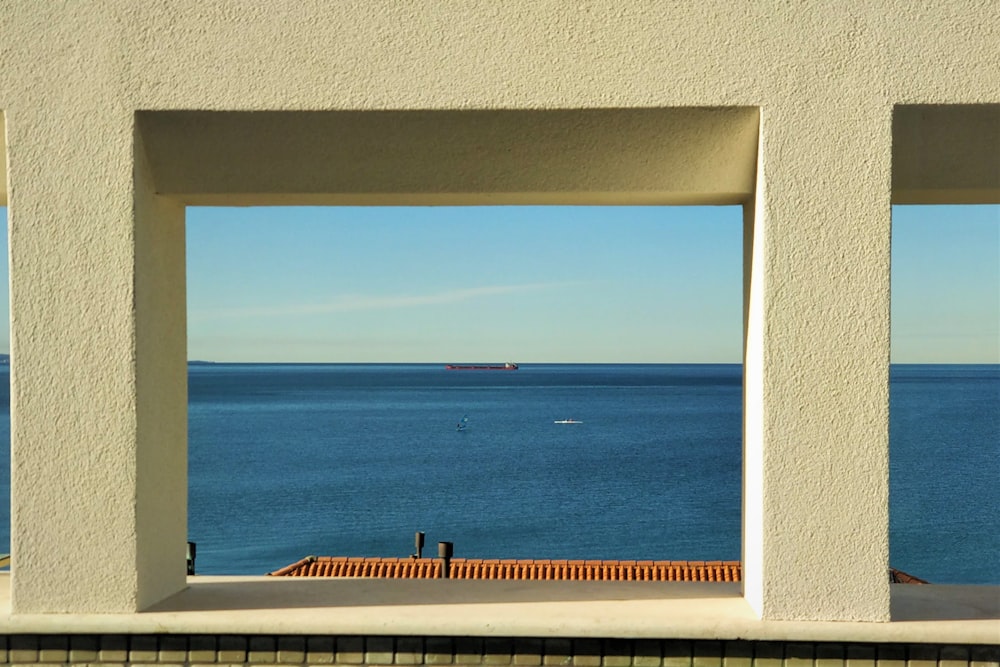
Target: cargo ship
{"x": 481, "y": 367}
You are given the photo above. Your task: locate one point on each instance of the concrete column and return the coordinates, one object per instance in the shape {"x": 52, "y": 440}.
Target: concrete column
{"x": 815, "y": 509}
{"x": 98, "y": 389}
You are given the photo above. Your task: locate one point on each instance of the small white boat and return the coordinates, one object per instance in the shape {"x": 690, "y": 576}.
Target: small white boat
{"x": 567, "y": 421}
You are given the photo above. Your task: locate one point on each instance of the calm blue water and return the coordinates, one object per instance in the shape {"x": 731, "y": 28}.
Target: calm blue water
{"x": 291, "y": 460}
{"x": 351, "y": 460}
{"x": 944, "y": 477}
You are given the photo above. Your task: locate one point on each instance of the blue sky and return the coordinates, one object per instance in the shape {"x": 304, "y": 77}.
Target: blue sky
{"x": 542, "y": 284}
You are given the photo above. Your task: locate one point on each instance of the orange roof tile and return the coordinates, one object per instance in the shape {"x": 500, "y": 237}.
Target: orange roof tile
{"x": 483, "y": 568}
{"x": 900, "y": 577}
{"x": 548, "y": 570}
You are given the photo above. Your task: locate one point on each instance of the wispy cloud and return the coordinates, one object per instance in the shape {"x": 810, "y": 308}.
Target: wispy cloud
{"x": 356, "y": 302}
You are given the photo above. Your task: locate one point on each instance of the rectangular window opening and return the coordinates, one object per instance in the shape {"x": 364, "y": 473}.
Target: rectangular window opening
{"x": 944, "y": 431}
{"x": 323, "y": 419}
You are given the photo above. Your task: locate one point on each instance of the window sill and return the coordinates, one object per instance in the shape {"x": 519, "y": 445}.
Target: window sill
{"x": 274, "y": 606}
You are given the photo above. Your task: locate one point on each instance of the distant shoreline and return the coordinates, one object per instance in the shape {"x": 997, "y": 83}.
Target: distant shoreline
{"x": 556, "y": 363}
{"x": 5, "y": 361}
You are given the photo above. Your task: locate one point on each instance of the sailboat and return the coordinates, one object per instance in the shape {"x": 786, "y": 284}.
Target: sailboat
{"x": 462, "y": 423}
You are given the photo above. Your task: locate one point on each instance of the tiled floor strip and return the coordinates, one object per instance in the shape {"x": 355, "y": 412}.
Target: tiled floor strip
{"x": 122, "y": 650}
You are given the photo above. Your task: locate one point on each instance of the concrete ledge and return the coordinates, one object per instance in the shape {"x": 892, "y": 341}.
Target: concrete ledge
{"x": 275, "y": 606}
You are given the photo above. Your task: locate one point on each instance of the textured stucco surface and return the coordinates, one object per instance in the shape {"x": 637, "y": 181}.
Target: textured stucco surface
{"x": 3, "y": 161}
{"x": 788, "y": 108}
{"x": 946, "y": 154}
{"x": 161, "y": 387}
{"x": 596, "y": 156}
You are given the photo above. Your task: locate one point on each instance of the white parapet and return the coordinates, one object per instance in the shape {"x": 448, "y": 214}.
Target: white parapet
{"x": 815, "y": 116}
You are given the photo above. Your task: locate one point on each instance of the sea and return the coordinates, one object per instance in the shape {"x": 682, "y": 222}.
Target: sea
{"x": 292, "y": 460}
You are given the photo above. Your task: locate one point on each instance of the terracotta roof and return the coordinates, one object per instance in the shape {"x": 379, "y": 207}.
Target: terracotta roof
{"x": 551, "y": 570}
{"x": 481, "y": 568}
{"x": 389, "y": 568}
{"x": 900, "y": 577}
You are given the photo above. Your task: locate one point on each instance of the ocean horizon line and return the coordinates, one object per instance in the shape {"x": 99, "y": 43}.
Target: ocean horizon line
{"x": 202, "y": 362}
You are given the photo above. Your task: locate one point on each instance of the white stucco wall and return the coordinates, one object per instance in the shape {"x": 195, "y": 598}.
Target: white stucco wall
{"x": 102, "y": 154}
{"x": 3, "y": 161}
